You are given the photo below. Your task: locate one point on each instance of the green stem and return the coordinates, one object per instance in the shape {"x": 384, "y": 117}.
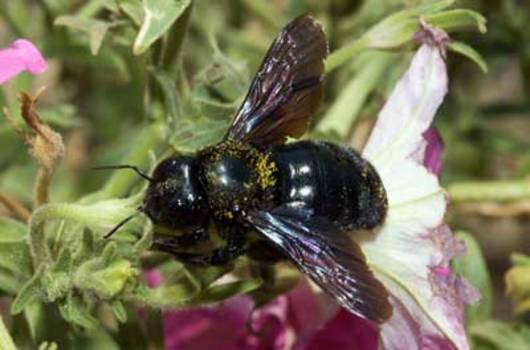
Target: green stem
{"x": 339, "y": 57}
{"x": 345, "y": 110}
{"x": 6, "y": 342}
{"x": 500, "y": 191}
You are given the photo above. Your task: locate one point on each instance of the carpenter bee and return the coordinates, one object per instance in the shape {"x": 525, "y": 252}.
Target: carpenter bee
{"x": 301, "y": 198}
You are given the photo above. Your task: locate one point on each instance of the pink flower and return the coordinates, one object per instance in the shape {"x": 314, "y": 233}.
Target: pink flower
{"x": 21, "y": 56}
{"x": 288, "y": 322}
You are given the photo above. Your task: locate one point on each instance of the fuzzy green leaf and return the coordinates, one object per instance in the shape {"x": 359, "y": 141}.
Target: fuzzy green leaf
{"x": 95, "y": 28}
{"x": 169, "y": 92}
{"x": 194, "y": 134}
{"x": 57, "y": 281}
{"x": 119, "y": 311}
{"x": 473, "y": 267}
{"x": 75, "y": 311}
{"x": 159, "y": 15}
{"x": 15, "y": 257}
{"x": 86, "y": 249}
{"x": 104, "y": 280}
{"x": 30, "y": 292}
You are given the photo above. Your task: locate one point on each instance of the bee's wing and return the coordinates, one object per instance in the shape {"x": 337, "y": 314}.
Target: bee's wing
{"x": 287, "y": 88}
{"x": 328, "y": 257}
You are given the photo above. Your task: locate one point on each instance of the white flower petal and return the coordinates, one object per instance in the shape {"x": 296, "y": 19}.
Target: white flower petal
{"x": 410, "y": 109}
{"x": 408, "y": 247}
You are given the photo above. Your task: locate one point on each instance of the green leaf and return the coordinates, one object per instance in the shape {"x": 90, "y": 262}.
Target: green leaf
{"x": 499, "y": 335}
{"x": 107, "y": 281}
{"x": 159, "y": 15}
{"x": 469, "y": 52}
{"x": 459, "y": 19}
{"x": 95, "y": 28}
{"x": 75, "y": 311}
{"x": 9, "y": 283}
{"x": 169, "y": 92}
{"x": 57, "y": 281}
{"x": 15, "y": 257}
{"x": 205, "y": 276}
{"x": 473, "y": 267}
{"x": 30, "y": 292}
{"x": 168, "y": 296}
{"x": 86, "y": 249}
{"x": 119, "y": 311}
{"x": 224, "y": 291}
{"x": 34, "y": 315}
{"x": 191, "y": 135}
{"x": 133, "y": 9}
{"x": 11, "y": 230}
{"x": 343, "y": 112}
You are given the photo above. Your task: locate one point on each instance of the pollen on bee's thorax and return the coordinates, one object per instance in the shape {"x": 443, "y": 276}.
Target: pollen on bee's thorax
{"x": 265, "y": 168}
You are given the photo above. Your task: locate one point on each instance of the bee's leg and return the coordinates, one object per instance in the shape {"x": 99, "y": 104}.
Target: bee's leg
{"x": 218, "y": 256}
{"x": 170, "y": 244}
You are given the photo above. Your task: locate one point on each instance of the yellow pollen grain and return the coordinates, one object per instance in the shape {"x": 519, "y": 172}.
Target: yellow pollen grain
{"x": 265, "y": 169}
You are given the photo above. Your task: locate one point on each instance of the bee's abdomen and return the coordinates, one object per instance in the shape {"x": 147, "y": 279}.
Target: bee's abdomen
{"x": 334, "y": 181}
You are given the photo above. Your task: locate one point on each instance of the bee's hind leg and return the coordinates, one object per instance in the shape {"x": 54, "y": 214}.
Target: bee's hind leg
{"x": 219, "y": 256}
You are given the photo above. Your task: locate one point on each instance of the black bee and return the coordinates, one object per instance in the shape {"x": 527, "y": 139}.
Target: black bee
{"x": 300, "y": 197}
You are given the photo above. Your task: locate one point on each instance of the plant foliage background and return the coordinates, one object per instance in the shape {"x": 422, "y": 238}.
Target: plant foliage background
{"x": 130, "y": 82}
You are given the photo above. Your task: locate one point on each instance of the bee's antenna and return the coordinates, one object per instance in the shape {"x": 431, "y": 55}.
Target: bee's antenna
{"x": 120, "y": 224}
{"x": 131, "y": 167}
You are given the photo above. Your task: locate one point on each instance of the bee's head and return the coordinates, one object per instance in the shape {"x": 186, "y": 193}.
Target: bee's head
{"x": 175, "y": 197}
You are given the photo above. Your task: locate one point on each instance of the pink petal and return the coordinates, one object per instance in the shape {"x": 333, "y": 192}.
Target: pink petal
{"x": 21, "y": 56}
{"x": 432, "y": 158}
{"x": 153, "y": 278}
{"x": 345, "y": 332}
{"x": 218, "y": 327}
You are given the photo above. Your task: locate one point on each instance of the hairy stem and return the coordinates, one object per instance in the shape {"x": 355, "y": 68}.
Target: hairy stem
{"x": 41, "y": 187}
